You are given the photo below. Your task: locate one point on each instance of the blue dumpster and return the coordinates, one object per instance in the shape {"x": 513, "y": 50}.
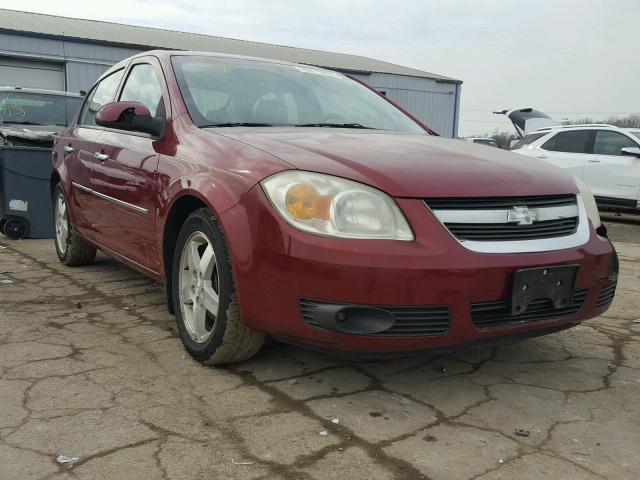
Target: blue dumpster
{"x": 26, "y": 209}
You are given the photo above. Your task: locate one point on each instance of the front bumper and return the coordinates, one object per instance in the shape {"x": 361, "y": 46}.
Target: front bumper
{"x": 276, "y": 266}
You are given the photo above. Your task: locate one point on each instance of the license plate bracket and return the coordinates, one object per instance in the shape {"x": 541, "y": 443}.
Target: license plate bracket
{"x": 555, "y": 283}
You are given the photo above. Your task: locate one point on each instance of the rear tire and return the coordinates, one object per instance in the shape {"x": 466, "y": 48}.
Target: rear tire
{"x": 72, "y": 250}
{"x": 206, "y": 307}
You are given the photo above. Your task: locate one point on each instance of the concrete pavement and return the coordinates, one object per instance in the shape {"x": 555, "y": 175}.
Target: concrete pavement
{"x": 91, "y": 367}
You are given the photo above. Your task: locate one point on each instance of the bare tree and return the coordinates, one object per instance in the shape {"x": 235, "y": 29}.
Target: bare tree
{"x": 503, "y": 139}
{"x": 630, "y": 121}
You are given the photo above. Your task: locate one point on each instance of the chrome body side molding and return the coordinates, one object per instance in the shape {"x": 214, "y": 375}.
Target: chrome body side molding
{"x": 115, "y": 201}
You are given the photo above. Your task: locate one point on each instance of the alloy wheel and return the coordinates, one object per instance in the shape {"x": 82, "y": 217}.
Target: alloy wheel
{"x": 61, "y": 223}
{"x": 198, "y": 287}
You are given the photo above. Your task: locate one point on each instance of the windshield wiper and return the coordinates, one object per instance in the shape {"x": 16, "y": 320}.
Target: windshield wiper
{"x": 238, "y": 124}
{"x": 335, "y": 125}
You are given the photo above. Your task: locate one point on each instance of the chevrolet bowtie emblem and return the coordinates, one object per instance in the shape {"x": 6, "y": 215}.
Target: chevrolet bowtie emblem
{"x": 523, "y": 215}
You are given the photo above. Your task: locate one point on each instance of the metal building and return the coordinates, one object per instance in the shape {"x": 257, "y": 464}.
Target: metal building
{"x": 46, "y": 51}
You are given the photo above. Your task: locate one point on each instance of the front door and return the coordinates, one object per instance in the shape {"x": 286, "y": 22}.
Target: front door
{"x": 567, "y": 150}
{"x": 610, "y": 174}
{"x": 127, "y": 172}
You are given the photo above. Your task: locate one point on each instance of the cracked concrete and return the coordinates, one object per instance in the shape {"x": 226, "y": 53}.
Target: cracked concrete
{"x": 91, "y": 367}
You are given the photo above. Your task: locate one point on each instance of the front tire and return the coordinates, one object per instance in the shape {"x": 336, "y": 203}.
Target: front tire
{"x": 72, "y": 250}
{"x": 206, "y": 308}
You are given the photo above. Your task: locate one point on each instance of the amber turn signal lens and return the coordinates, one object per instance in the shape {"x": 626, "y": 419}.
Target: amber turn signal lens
{"x": 304, "y": 202}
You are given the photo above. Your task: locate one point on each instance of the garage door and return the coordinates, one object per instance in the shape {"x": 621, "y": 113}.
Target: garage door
{"x": 31, "y": 74}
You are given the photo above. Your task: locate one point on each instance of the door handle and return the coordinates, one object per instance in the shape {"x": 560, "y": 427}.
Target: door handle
{"x": 68, "y": 149}
{"x": 594, "y": 161}
{"x": 103, "y": 157}
{"x": 542, "y": 156}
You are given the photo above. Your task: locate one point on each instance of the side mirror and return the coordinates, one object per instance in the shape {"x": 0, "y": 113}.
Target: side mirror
{"x": 130, "y": 116}
{"x": 635, "y": 151}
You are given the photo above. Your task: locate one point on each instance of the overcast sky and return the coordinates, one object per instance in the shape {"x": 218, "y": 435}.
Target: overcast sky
{"x": 569, "y": 58}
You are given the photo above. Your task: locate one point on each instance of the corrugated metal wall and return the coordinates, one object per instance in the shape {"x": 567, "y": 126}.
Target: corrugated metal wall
{"x": 435, "y": 103}
{"x": 31, "y": 74}
{"x": 84, "y": 62}
{"x": 81, "y": 76}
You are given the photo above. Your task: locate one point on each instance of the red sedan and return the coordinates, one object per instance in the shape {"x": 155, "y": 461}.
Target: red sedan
{"x": 286, "y": 200}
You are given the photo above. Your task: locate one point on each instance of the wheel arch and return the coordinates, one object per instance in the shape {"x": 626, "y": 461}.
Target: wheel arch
{"x": 178, "y": 212}
{"x": 195, "y": 189}
{"x": 60, "y": 175}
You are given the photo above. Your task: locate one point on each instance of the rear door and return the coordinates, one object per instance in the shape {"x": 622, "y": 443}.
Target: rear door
{"x": 79, "y": 149}
{"x": 128, "y": 171}
{"x": 568, "y": 150}
{"x": 609, "y": 173}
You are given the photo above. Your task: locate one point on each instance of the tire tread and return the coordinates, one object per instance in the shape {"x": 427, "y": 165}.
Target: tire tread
{"x": 79, "y": 251}
{"x": 239, "y": 342}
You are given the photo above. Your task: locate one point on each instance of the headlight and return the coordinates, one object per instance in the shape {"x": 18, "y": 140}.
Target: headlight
{"x": 329, "y": 205}
{"x": 589, "y": 203}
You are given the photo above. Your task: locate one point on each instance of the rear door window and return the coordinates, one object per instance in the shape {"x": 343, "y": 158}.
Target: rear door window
{"x": 102, "y": 94}
{"x": 577, "y": 141}
{"x": 611, "y": 143}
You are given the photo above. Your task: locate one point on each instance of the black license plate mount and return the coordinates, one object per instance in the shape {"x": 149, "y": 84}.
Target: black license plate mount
{"x": 555, "y": 283}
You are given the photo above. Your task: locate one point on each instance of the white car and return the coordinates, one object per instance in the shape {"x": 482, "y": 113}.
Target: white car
{"x": 605, "y": 157}
{"x": 482, "y": 141}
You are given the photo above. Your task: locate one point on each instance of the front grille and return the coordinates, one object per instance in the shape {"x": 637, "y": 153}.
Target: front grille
{"x": 498, "y": 314}
{"x": 489, "y": 232}
{"x": 409, "y": 321}
{"x": 488, "y": 219}
{"x": 605, "y": 297}
{"x": 486, "y": 203}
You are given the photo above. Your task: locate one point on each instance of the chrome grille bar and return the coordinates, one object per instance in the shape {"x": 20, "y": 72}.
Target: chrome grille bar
{"x": 502, "y": 215}
{"x": 491, "y": 227}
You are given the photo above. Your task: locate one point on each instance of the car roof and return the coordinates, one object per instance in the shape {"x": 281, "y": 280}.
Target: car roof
{"x": 586, "y": 126}
{"x": 40, "y": 91}
{"x": 172, "y": 53}
{"x": 165, "y": 55}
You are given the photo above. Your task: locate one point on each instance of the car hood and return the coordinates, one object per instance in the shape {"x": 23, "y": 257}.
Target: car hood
{"x": 408, "y": 165}
{"x": 31, "y": 135}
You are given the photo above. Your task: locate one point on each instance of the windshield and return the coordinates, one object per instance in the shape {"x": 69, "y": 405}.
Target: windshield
{"x": 635, "y": 133}
{"x": 233, "y": 92}
{"x": 523, "y": 142}
{"x": 26, "y": 108}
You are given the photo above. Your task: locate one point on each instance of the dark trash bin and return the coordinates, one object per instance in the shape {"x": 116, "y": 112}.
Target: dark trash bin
{"x": 26, "y": 209}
